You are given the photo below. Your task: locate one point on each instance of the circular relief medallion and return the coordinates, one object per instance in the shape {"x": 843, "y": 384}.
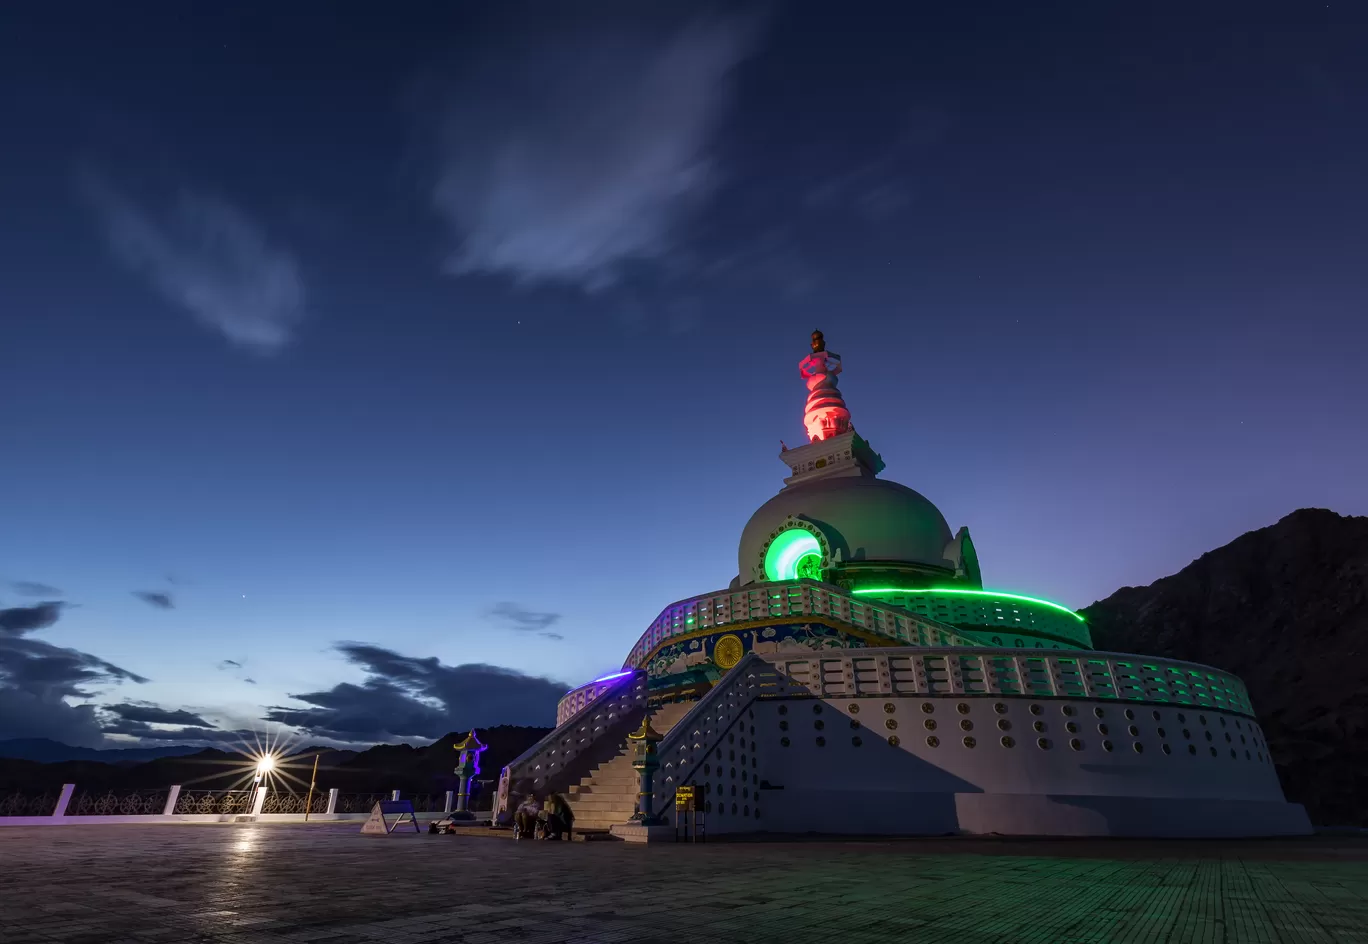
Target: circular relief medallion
{"x": 728, "y": 651}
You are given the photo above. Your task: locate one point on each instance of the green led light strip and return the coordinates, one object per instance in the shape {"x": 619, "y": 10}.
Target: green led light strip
{"x": 972, "y": 593}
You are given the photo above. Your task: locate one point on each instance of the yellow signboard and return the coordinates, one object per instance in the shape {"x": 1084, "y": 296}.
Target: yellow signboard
{"x": 684, "y": 798}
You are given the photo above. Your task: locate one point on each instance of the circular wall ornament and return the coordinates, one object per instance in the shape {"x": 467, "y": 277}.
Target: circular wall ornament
{"x": 728, "y": 651}
{"x": 797, "y": 549}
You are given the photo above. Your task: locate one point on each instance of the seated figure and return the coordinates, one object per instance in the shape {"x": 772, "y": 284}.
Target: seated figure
{"x": 525, "y": 819}
{"x": 560, "y": 819}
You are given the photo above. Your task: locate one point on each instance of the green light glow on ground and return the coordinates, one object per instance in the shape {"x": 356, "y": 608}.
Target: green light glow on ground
{"x": 991, "y": 594}
{"x": 789, "y": 552}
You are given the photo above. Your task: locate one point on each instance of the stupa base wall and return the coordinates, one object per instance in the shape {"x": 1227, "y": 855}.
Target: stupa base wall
{"x": 839, "y": 812}
{"x": 843, "y": 743}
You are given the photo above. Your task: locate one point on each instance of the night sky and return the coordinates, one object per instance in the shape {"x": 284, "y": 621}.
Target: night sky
{"x": 348, "y": 351}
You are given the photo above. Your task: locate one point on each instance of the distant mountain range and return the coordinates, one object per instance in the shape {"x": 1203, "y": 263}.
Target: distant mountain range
{"x": 46, "y": 751}
{"x": 1286, "y": 609}
{"x": 381, "y": 768}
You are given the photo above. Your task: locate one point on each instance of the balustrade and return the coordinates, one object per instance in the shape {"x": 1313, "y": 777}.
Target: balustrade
{"x": 198, "y": 803}
{"x": 27, "y": 804}
{"x": 117, "y": 803}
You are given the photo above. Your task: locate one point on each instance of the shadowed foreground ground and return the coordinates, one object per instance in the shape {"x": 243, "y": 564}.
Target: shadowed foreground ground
{"x": 327, "y": 883}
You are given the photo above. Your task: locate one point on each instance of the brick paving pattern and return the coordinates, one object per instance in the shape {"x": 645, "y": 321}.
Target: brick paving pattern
{"x": 329, "y": 885}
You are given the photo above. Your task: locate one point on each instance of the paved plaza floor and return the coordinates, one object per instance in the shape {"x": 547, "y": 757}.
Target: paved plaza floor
{"x": 329, "y": 884}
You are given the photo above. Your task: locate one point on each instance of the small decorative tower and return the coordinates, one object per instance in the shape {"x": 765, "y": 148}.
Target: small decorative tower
{"x": 466, "y": 767}
{"x": 646, "y": 763}
{"x": 825, "y": 415}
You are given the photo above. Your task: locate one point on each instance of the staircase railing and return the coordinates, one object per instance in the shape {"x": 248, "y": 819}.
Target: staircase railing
{"x": 568, "y": 752}
{"x": 700, "y": 732}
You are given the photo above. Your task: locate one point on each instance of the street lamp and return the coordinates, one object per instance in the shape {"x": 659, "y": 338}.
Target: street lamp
{"x": 265, "y": 764}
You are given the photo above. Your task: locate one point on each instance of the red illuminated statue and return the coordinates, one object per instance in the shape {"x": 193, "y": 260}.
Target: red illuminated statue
{"x": 825, "y": 415}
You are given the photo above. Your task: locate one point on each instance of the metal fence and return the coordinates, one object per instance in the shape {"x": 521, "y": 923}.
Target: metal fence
{"x": 358, "y": 802}
{"x": 27, "y": 804}
{"x": 295, "y": 803}
{"x": 204, "y": 803}
{"x": 208, "y": 802}
{"x": 117, "y": 803}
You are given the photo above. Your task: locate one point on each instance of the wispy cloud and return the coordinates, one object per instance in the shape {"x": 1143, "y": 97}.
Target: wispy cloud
{"x": 32, "y": 588}
{"x": 209, "y": 258}
{"x": 879, "y": 188}
{"x": 161, "y": 601}
{"x": 149, "y": 713}
{"x": 570, "y": 154}
{"x": 522, "y": 620}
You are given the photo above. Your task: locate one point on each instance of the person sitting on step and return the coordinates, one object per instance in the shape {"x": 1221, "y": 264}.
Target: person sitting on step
{"x": 525, "y": 819}
{"x": 559, "y": 819}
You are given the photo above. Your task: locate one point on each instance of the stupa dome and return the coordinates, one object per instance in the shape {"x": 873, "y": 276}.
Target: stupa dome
{"x": 862, "y": 517}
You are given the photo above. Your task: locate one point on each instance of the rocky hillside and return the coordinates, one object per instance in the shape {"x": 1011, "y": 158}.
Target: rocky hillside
{"x": 1286, "y": 609}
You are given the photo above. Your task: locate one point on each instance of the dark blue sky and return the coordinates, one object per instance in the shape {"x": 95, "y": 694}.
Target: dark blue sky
{"x": 452, "y": 329}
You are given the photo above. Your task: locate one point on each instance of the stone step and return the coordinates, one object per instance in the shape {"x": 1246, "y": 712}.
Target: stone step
{"x": 612, "y": 777}
{"x": 621, "y": 801}
{"x": 607, "y": 796}
{"x": 605, "y": 790}
{"x": 587, "y": 808}
{"x": 604, "y": 820}
{"x": 617, "y": 763}
{"x": 590, "y": 806}
{"x": 604, "y": 774}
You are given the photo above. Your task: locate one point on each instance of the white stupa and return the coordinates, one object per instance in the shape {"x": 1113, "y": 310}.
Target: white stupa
{"x": 857, "y": 678}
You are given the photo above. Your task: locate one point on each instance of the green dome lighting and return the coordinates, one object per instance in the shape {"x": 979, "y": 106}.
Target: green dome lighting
{"x": 794, "y": 554}
{"x": 993, "y": 594}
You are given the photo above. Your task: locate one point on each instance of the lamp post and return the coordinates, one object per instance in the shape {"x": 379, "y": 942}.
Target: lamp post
{"x": 313, "y": 782}
{"x": 265, "y": 765}
{"x": 645, "y": 762}
{"x": 467, "y": 766}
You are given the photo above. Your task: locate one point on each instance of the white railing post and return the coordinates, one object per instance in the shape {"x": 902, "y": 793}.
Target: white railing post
{"x": 171, "y": 797}
{"x": 259, "y": 801}
{"x": 67, "y": 790}
{"x": 394, "y": 795}
{"x": 332, "y": 800}
{"x": 450, "y": 801}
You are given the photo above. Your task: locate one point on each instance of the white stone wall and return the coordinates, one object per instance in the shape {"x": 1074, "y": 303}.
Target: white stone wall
{"x": 780, "y": 772}
{"x": 958, "y": 762}
{"x": 1012, "y": 745}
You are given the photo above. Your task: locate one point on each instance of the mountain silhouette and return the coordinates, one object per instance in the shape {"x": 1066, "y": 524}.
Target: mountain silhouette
{"x": 385, "y": 767}
{"x": 1286, "y": 609}
{"x": 47, "y": 751}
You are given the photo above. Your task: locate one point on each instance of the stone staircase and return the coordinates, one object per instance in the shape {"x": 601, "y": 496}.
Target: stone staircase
{"x": 608, "y": 794}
